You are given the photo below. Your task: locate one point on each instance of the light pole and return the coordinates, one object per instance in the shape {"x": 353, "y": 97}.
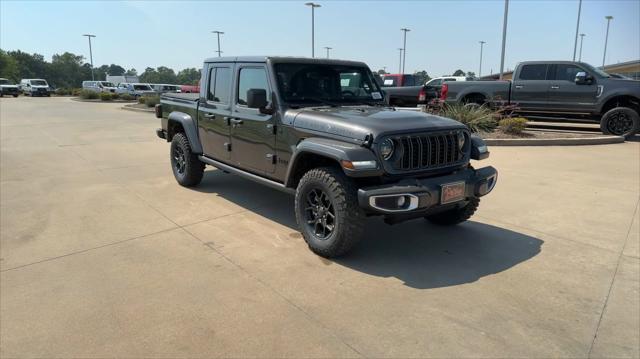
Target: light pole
{"x": 218, "y": 33}
{"x": 606, "y": 38}
{"x": 313, "y": 8}
{"x": 480, "y": 70}
{"x": 504, "y": 36}
{"x": 581, "y": 40}
{"x": 89, "y": 36}
{"x": 328, "y": 48}
{"x": 404, "y": 48}
{"x": 575, "y": 43}
{"x": 400, "y": 63}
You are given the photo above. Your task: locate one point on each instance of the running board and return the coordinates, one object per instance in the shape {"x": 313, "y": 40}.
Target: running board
{"x": 247, "y": 175}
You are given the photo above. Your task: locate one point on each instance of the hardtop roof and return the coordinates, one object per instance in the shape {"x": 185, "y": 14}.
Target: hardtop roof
{"x": 283, "y": 59}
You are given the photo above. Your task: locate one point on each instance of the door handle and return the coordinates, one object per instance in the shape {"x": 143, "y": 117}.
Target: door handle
{"x": 555, "y": 87}
{"x": 209, "y": 115}
{"x": 519, "y": 86}
{"x": 235, "y": 121}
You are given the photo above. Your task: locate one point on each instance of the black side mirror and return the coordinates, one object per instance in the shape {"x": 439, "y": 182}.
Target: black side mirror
{"x": 256, "y": 98}
{"x": 582, "y": 78}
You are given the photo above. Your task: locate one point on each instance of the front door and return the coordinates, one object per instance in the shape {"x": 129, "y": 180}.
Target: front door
{"x": 567, "y": 96}
{"x": 215, "y": 110}
{"x": 252, "y": 133}
{"x": 529, "y": 91}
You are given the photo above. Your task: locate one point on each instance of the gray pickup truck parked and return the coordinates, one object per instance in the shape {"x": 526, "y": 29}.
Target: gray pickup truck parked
{"x": 561, "y": 90}
{"x": 319, "y": 128}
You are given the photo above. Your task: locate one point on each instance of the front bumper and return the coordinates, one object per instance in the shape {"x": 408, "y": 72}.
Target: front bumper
{"x": 424, "y": 195}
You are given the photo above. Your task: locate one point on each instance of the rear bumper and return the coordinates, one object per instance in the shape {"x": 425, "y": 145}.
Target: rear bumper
{"x": 424, "y": 195}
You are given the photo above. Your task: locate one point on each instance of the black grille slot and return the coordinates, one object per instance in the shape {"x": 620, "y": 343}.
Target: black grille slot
{"x": 420, "y": 152}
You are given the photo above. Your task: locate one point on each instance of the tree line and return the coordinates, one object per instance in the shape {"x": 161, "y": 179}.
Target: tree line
{"x": 68, "y": 70}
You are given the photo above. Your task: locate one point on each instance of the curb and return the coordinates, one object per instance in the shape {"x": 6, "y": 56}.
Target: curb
{"x": 597, "y": 140}
{"x": 151, "y": 110}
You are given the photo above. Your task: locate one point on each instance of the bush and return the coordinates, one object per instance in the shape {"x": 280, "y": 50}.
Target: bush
{"x": 126, "y": 97}
{"x": 151, "y": 101}
{"x": 141, "y": 99}
{"x": 514, "y": 125}
{"x": 88, "y": 95}
{"x": 76, "y": 92}
{"x": 476, "y": 118}
{"x": 106, "y": 96}
{"x": 115, "y": 95}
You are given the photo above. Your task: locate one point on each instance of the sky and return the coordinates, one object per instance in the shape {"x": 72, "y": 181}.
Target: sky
{"x": 444, "y": 35}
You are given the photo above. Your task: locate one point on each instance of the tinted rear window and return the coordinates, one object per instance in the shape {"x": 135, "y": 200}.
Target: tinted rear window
{"x": 533, "y": 72}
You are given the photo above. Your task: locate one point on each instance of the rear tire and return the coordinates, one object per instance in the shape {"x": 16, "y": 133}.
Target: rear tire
{"x": 187, "y": 168}
{"x": 327, "y": 212}
{"x": 456, "y": 215}
{"x": 620, "y": 121}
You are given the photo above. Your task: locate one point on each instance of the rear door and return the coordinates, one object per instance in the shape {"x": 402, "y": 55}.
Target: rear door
{"x": 214, "y": 111}
{"x": 530, "y": 89}
{"x": 566, "y": 96}
{"x": 252, "y": 133}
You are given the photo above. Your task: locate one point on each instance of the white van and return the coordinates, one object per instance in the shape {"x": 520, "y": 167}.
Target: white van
{"x": 35, "y": 87}
{"x": 99, "y": 86}
{"x": 135, "y": 89}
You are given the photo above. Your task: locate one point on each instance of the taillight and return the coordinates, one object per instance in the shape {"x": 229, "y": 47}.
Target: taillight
{"x": 422, "y": 96}
{"x": 159, "y": 111}
{"x": 443, "y": 92}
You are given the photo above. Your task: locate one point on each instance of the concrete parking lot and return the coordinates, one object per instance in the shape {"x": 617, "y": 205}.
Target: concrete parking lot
{"x": 104, "y": 255}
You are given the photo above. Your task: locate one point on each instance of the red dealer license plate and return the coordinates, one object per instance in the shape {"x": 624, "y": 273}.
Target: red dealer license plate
{"x": 452, "y": 192}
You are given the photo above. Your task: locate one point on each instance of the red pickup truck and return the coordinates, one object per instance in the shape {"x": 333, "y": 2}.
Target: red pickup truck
{"x": 190, "y": 88}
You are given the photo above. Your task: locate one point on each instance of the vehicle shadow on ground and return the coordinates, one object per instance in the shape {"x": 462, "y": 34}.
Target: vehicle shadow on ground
{"x": 418, "y": 253}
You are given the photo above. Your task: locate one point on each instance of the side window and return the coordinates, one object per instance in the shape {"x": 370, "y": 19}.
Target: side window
{"x": 566, "y": 72}
{"x": 409, "y": 81}
{"x": 252, "y": 78}
{"x": 223, "y": 85}
{"x": 437, "y": 82}
{"x": 219, "y": 85}
{"x": 212, "y": 84}
{"x": 533, "y": 72}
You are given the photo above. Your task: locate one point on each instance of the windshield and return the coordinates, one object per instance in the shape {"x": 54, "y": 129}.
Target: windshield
{"x": 107, "y": 84}
{"x": 326, "y": 83}
{"x": 595, "y": 70}
{"x": 4, "y": 82}
{"x": 38, "y": 83}
{"x": 142, "y": 87}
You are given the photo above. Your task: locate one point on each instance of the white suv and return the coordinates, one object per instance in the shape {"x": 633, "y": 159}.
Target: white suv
{"x": 99, "y": 86}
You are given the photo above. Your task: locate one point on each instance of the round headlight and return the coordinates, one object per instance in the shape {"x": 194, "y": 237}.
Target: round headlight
{"x": 386, "y": 148}
{"x": 461, "y": 140}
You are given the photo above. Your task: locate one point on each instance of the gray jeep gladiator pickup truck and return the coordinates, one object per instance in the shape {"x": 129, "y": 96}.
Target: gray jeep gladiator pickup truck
{"x": 561, "y": 90}
{"x": 319, "y": 128}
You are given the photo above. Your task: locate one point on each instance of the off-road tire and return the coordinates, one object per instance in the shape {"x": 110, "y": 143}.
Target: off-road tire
{"x": 187, "y": 168}
{"x": 349, "y": 217}
{"x": 456, "y": 215}
{"x": 631, "y": 115}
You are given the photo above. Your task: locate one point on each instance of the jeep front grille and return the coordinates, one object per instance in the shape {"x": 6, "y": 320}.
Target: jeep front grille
{"x": 421, "y": 152}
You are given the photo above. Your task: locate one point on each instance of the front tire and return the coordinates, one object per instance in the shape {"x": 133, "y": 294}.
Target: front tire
{"x": 327, "y": 212}
{"x": 455, "y": 216}
{"x": 620, "y": 121}
{"x": 187, "y": 168}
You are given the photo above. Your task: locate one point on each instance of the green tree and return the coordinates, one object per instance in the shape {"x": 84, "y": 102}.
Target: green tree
{"x": 29, "y": 66}
{"x": 67, "y": 70}
{"x": 381, "y": 72}
{"x": 458, "y": 73}
{"x": 131, "y": 72}
{"x": 189, "y": 76}
{"x": 116, "y": 70}
{"x": 9, "y": 67}
{"x": 471, "y": 74}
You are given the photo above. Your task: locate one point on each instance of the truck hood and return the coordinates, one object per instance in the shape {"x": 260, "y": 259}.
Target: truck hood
{"x": 358, "y": 122}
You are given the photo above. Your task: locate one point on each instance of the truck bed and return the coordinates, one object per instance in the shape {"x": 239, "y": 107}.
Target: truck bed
{"x": 181, "y": 97}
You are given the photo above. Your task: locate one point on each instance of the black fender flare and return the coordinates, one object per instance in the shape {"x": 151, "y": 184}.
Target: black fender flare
{"x": 190, "y": 129}
{"x": 335, "y": 150}
{"x": 610, "y": 96}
